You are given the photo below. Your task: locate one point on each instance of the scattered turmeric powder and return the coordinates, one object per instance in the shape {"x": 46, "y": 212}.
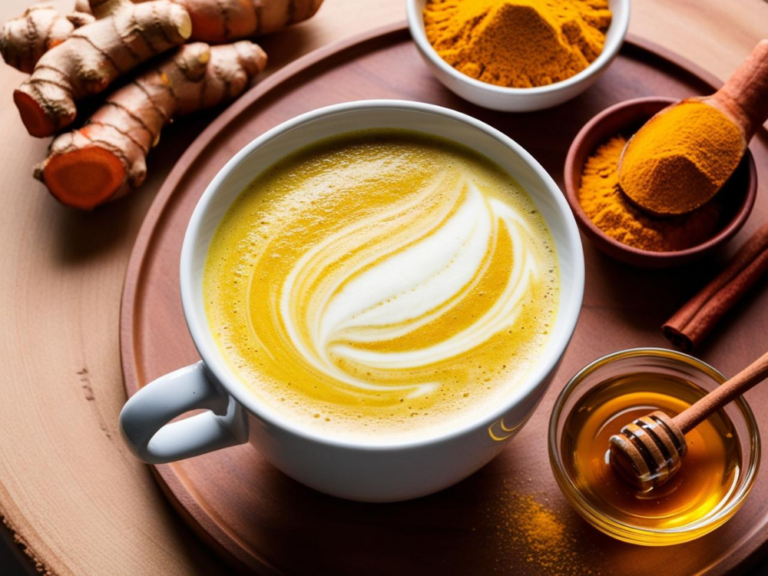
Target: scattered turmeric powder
{"x": 530, "y": 538}
{"x": 605, "y": 204}
{"x": 680, "y": 158}
{"x": 517, "y": 43}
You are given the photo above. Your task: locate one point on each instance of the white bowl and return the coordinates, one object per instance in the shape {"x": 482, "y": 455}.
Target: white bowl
{"x": 519, "y": 99}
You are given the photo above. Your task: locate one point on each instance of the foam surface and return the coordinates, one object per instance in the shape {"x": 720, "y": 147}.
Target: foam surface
{"x": 382, "y": 283}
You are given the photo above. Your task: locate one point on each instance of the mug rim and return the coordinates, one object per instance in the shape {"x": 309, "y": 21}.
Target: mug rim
{"x": 213, "y": 360}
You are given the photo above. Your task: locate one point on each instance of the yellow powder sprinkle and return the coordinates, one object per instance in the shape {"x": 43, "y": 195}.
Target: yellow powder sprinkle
{"x": 531, "y": 539}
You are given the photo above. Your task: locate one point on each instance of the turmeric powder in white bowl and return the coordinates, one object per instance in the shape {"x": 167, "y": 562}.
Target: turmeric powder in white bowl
{"x": 518, "y": 55}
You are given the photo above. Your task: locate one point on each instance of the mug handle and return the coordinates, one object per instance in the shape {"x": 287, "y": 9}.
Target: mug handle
{"x": 145, "y": 418}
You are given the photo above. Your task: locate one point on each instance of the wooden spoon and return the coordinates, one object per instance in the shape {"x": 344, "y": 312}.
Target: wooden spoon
{"x": 743, "y": 99}
{"x": 648, "y": 452}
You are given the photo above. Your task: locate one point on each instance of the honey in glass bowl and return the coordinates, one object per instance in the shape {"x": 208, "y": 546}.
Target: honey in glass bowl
{"x": 716, "y": 474}
{"x": 709, "y": 472}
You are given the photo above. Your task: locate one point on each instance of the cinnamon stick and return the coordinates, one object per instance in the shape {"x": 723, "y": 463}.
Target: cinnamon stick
{"x": 691, "y": 324}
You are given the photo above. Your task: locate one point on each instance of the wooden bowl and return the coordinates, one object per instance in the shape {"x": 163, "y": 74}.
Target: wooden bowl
{"x": 737, "y": 196}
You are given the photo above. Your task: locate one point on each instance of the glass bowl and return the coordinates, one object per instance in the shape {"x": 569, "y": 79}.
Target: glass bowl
{"x": 654, "y": 360}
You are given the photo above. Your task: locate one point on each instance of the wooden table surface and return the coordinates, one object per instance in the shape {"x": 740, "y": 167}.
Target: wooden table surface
{"x": 70, "y": 492}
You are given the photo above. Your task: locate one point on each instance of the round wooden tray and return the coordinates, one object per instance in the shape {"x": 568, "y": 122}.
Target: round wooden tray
{"x": 261, "y": 520}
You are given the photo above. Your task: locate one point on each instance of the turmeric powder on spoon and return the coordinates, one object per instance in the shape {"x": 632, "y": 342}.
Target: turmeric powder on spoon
{"x": 518, "y": 43}
{"x": 680, "y": 159}
{"x": 682, "y": 156}
{"x": 658, "y": 191}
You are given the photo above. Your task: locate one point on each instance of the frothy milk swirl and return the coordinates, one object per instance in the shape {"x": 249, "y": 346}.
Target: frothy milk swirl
{"x": 382, "y": 284}
{"x": 350, "y": 299}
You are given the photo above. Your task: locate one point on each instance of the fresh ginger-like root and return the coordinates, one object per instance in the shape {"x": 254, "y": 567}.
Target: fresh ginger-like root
{"x": 123, "y": 36}
{"x": 25, "y": 39}
{"x": 220, "y": 21}
{"x": 105, "y": 159}
{"x": 227, "y": 20}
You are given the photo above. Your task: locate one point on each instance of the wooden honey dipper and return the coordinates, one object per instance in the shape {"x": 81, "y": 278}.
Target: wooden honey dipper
{"x": 648, "y": 452}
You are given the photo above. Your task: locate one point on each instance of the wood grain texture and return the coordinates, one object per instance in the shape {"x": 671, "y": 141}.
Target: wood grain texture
{"x": 69, "y": 490}
{"x": 239, "y": 511}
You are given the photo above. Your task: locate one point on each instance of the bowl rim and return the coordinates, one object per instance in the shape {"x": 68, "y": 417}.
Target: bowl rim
{"x": 610, "y": 50}
{"x": 571, "y": 191}
{"x": 629, "y": 532}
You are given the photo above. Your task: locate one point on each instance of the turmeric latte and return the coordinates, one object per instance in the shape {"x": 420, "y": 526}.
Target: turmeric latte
{"x": 518, "y": 43}
{"x": 382, "y": 284}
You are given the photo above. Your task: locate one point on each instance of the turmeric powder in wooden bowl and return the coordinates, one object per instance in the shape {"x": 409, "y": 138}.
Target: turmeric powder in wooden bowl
{"x": 622, "y": 230}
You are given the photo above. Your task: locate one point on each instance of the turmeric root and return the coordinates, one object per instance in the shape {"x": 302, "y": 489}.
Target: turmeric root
{"x": 227, "y": 20}
{"x": 25, "y": 39}
{"x": 218, "y": 21}
{"x": 123, "y": 36}
{"x": 105, "y": 159}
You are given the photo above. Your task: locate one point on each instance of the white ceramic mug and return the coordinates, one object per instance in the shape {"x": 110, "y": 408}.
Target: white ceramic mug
{"x": 356, "y": 468}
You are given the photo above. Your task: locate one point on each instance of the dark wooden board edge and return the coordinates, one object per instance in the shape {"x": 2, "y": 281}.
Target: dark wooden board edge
{"x": 170, "y": 482}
